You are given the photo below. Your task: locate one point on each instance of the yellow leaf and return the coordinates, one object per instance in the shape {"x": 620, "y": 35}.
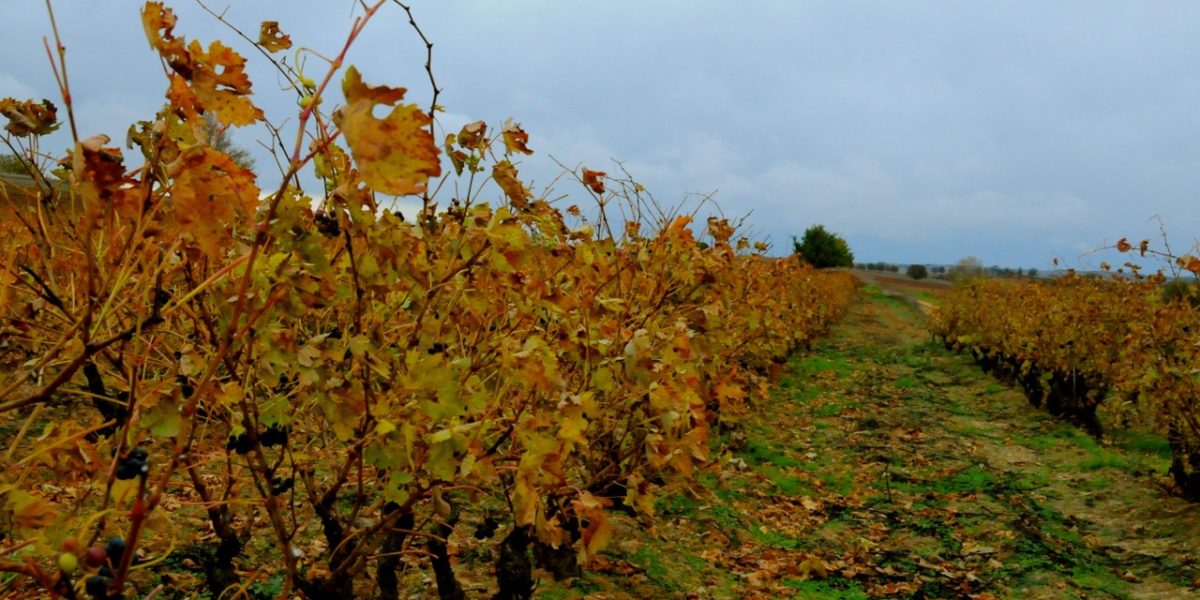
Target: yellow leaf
{"x": 729, "y": 391}
{"x": 396, "y": 154}
{"x": 812, "y": 568}
{"x": 29, "y": 511}
{"x": 573, "y": 426}
{"x": 505, "y": 175}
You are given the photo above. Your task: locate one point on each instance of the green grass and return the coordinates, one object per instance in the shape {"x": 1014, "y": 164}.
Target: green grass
{"x": 676, "y": 505}
{"x": 972, "y": 479}
{"x": 1105, "y": 460}
{"x": 1088, "y": 577}
{"x": 1145, "y": 443}
{"x": 810, "y": 365}
{"x": 928, "y": 297}
{"x": 832, "y": 409}
{"x": 650, "y": 560}
{"x": 762, "y": 453}
{"x": 826, "y": 589}
{"x": 1095, "y": 484}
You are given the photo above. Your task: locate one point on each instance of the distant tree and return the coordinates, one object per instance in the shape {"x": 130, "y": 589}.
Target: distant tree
{"x": 917, "y": 271}
{"x": 219, "y": 139}
{"x": 1032, "y": 272}
{"x": 823, "y": 249}
{"x": 939, "y": 270}
{"x": 967, "y": 268}
{"x": 9, "y": 163}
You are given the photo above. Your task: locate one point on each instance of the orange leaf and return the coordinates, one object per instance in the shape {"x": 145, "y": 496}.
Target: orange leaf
{"x": 396, "y": 154}
{"x": 271, "y": 38}
{"x": 220, "y": 82}
{"x": 515, "y": 138}
{"x": 598, "y": 532}
{"x": 1191, "y": 263}
{"x": 505, "y": 175}
{"x": 594, "y": 180}
{"x": 100, "y": 172}
{"x": 210, "y": 193}
{"x": 160, "y": 24}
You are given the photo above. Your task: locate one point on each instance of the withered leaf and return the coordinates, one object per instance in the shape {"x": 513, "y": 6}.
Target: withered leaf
{"x": 271, "y": 38}
{"x": 396, "y": 155}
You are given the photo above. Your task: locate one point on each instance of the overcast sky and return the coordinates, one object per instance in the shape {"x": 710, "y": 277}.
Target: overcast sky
{"x": 1017, "y": 132}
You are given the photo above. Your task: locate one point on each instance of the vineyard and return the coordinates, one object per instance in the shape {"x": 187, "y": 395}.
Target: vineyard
{"x": 262, "y": 382}
{"x": 1086, "y": 347}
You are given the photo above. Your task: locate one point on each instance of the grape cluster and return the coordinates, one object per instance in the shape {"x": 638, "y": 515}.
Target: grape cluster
{"x": 274, "y": 435}
{"x": 133, "y": 464}
{"x": 327, "y": 224}
{"x": 98, "y": 585}
{"x": 487, "y": 528}
{"x": 239, "y": 443}
{"x": 281, "y": 485}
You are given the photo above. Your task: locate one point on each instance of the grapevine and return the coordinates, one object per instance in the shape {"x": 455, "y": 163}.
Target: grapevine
{"x": 326, "y": 387}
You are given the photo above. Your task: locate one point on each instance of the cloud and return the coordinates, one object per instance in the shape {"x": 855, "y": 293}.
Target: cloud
{"x": 1014, "y": 131}
{"x": 12, "y": 87}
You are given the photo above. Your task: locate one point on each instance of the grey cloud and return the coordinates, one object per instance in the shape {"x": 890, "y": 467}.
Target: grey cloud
{"x": 1015, "y": 131}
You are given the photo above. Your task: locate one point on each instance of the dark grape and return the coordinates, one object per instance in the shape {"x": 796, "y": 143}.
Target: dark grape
{"x": 239, "y": 443}
{"x": 487, "y": 528}
{"x": 274, "y": 435}
{"x": 281, "y": 486}
{"x": 115, "y": 548}
{"x": 326, "y": 224}
{"x": 133, "y": 464}
{"x": 97, "y": 586}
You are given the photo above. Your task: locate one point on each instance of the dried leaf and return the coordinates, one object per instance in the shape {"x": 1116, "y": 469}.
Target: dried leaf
{"x": 596, "y": 535}
{"x": 505, "y": 175}
{"x": 515, "y": 138}
{"x": 271, "y": 38}
{"x": 396, "y": 154}
{"x": 30, "y": 511}
{"x": 594, "y": 180}
{"x": 26, "y": 118}
{"x": 217, "y": 76}
{"x": 473, "y": 136}
{"x": 159, "y": 23}
{"x": 211, "y": 193}
{"x": 221, "y": 84}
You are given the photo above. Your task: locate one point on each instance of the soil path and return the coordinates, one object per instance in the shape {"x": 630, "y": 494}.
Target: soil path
{"x": 888, "y": 467}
